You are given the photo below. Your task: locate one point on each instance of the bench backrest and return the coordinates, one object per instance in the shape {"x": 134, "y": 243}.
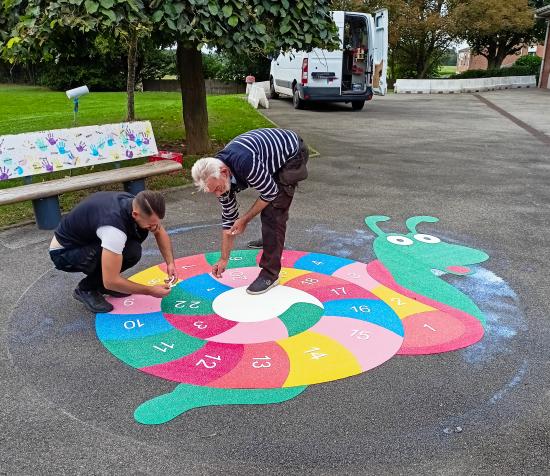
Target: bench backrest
{"x": 36, "y": 153}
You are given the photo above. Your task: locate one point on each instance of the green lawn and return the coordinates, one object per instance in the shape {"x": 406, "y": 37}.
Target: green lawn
{"x": 27, "y": 109}
{"x": 447, "y": 70}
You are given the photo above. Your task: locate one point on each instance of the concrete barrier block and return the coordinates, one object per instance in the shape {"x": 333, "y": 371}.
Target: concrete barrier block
{"x": 470, "y": 85}
{"x": 449, "y": 86}
{"x": 445, "y": 86}
{"x": 412, "y": 86}
{"x": 257, "y": 97}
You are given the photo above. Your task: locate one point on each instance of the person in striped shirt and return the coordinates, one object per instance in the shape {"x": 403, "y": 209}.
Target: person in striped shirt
{"x": 272, "y": 161}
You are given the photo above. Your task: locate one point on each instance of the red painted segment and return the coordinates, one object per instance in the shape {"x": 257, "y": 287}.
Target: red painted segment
{"x": 202, "y": 327}
{"x": 311, "y": 281}
{"x": 288, "y": 259}
{"x": 207, "y": 364}
{"x": 341, "y": 291}
{"x": 264, "y": 365}
{"x": 433, "y": 332}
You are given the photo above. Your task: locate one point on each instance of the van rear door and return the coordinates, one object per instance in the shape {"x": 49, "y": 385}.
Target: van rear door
{"x": 380, "y": 52}
{"x": 325, "y": 67}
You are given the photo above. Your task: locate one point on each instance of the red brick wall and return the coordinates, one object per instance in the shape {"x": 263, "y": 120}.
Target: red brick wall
{"x": 468, "y": 61}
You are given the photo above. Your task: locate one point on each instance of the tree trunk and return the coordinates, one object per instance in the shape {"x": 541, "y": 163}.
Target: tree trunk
{"x": 193, "y": 96}
{"x": 131, "y": 80}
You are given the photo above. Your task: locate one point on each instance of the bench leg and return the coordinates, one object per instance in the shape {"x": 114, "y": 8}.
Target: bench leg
{"x": 47, "y": 212}
{"x": 134, "y": 186}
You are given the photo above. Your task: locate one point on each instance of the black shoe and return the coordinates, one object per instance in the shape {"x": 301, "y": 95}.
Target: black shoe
{"x": 115, "y": 294}
{"x": 93, "y": 300}
{"x": 261, "y": 285}
{"x": 256, "y": 244}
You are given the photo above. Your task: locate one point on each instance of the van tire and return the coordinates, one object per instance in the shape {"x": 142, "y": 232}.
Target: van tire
{"x": 272, "y": 93}
{"x": 296, "y": 100}
{"x": 357, "y": 105}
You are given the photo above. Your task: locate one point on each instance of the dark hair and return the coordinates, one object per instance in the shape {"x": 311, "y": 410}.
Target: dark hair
{"x": 150, "y": 202}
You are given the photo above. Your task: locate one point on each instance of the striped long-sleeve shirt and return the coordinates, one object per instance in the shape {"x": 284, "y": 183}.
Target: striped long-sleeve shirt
{"x": 254, "y": 158}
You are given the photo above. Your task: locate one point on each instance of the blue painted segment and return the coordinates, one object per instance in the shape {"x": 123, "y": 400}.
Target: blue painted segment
{"x": 321, "y": 263}
{"x": 376, "y": 312}
{"x": 130, "y": 326}
{"x": 47, "y": 212}
{"x": 203, "y": 286}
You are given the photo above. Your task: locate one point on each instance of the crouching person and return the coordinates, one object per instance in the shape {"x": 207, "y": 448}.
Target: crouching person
{"x": 102, "y": 236}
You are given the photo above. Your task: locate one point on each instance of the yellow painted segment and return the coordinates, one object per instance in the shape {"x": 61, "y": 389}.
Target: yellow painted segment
{"x": 402, "y": 305}
{"x": 315, "y": 358}
{"x": 150, "y": 276}
{"x": 286, "y": 274}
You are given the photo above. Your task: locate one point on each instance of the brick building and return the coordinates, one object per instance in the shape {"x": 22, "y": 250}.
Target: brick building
{"x": 544, "y": 80}
{"x": 466, "y": 60}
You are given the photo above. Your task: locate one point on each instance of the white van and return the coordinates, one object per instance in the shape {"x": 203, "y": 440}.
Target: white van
{"x": 351, "y": 74}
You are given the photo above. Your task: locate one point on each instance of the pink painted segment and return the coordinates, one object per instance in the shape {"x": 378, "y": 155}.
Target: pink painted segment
{"x": 253, "y": 332}
{"x": 135, "y": 304}
{"x": 458, "y": 269}
{"x": 201, "y": 367}
{"x": 433, "y": 332}
{"x": 202, "y": 327}
{"x": 341, "y": 291}
{"x": 310, "y": 281}
{"x": 371, "y": 345}
{"x": 379, "y": 272}
{"x": 255, "y": 370}
{"x": 237, "y": 277}
{"x": 357, "y": 273}
{"x": 189, "y": 266}
{"x": 288, "y": 259}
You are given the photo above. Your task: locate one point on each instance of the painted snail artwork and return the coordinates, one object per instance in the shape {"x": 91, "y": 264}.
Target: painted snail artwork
{"x": 329, "y": 318}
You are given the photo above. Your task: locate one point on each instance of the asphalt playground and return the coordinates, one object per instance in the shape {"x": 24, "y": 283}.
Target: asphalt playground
{"x": 479, "y": 163}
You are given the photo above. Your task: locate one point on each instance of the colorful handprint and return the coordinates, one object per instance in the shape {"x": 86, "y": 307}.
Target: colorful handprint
{"x": 4, "y": 173}
{"x": 51, "y": 139}
{"x": 61, "y": 147}
{"x": 47, "y": 165}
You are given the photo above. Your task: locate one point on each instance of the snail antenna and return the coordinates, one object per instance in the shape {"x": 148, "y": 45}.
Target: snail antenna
{"x": 371, "y": 222}
{"x": 413, "y": 221}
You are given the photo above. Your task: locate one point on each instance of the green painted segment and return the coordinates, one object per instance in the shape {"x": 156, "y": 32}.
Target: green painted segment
{"x": 153, "y": 350}
{"x": 411, "y": 265}
{"x": 237, "y": 259}
{"x": 185, "y": 397}
{"x": 179, "y": 301}
{"x": 300, "y": 317}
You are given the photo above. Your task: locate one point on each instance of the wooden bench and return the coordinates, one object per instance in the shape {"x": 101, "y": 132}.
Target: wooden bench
{"x": 25, "y": 155}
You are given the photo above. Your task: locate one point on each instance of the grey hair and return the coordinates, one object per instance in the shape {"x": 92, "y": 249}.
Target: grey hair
{"x": 205, "y": 168}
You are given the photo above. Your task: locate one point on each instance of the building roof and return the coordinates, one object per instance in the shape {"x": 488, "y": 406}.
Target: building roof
{"x": 543, "y": 12}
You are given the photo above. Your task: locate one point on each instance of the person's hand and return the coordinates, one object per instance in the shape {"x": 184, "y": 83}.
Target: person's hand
{"x": 172, "y": 273}
{"x": 238, "y": 227}
{"x": 159, "y": 291}
{"x": 219, "y": 268}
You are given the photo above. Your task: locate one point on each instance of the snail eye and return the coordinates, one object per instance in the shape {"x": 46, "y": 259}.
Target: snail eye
{"x": 426, "y": 238}
{"x": 400, "y": 240}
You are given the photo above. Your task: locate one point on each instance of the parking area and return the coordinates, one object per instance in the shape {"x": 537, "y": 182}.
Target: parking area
{"x": 479, "y": 163}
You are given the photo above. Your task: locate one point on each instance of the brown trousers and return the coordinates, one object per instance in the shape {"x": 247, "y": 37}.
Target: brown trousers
{"x": 275, "y": 216}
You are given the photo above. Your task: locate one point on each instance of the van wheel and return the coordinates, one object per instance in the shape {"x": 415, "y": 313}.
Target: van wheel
{"x": 357, "y": 105}
{"x": 296, "y": 101}
{"x": 272, "y": 93}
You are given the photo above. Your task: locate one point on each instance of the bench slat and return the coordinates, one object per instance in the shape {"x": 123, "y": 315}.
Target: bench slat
{"x": 80, "y": 182}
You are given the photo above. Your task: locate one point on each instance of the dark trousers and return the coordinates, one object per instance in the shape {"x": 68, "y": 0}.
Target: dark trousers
{"x": 87, "y": 260}
{"x": 275, "y": 216}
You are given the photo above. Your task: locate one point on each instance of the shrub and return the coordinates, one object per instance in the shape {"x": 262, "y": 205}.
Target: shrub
{"x": 531, "y": 62}
{"x": 515, "y": 70}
